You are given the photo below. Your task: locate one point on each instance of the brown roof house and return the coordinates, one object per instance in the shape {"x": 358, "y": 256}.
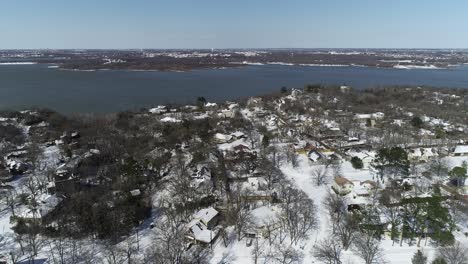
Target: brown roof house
{"x": 342, "y": 186}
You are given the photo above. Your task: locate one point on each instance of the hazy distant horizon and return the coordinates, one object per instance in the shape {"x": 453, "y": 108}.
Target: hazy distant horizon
{"x": 208, "y": 49}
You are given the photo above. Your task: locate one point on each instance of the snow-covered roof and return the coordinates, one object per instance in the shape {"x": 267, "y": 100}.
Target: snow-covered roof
{"x": 314, "y": 156}
{"x": 135, "y": 192}
{"x": 158, "y": 110}
{"x": 363, "y": 116}
{"x": 46, "y": 204}
{"x": 206, "y": 215}
{"x": 461, "y": 149}
{"x": 170, "y": 119}
{"x": 200, "y": 232}
{"x": 363, "y": 188}
{"x": 222, "y": 137}
{"x": 210, "y": 104}
{"x": 232, "y": 106}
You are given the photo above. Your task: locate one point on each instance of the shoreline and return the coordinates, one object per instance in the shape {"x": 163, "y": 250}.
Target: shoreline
{"x": 246, "y": 64}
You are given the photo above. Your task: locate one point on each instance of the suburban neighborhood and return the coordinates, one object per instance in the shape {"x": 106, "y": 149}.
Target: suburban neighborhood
{"x": 310, "y": 175}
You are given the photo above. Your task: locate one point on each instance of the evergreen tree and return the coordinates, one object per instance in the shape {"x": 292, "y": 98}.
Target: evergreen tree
{"x": 439, "y": 221}
{"x": 458, "y": 175}
{"x": 391, "y": 162}
{"x": 419, "y": 258}
{"x": 357, "y": 163}
{"x": 417, "y": 122}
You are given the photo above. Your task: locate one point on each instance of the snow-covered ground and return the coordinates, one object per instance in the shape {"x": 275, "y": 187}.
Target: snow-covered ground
{"x": 238, "y": 253}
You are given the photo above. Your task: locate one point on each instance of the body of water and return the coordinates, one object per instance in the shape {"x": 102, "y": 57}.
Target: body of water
{"x": 23, "y": 86}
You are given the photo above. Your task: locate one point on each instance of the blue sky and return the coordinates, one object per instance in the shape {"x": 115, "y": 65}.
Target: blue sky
{"x": 233, "y": 24}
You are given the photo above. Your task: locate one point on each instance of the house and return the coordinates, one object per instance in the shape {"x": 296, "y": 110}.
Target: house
{"x": 202, "y": 227}
{"x": 345, "y": 89}
{"x": 208, "y": 216}
{"x": 315, "y": 156}
{"x": 342, "y": 186}
{"x": 464, "y": 190}
{"x": 46, "y": 204}
{"x": 241, "y": 148}
{"x": 135, "y": 192}
{"x": 364, "y": 188}
{"x": 199, "y": 232}
{"x": 227, "y": 113}
{"x": 201, "y": 176}
{"x": 211, "y": 104}
{"x": 368, "y": 119}
{"x": 256, "y": 183}
{"x": 16, "y": 167}
{"x": 222, "y": 138}
{"x": 421, "y": 154}
{"x": 460, "y": 150}
{"x": 158, "y": 110}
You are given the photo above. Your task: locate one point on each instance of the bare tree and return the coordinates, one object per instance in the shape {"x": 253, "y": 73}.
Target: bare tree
{"x": 169, "y": 239}
{"x": 299, "y": 214}
{"x": 347, "y": 230}
{"x": 10, "y": 200}
{"x": 126, "y": 250}
{"x": 291, "y": 156}
{"x": 34, "y": 241}
{"x": 112, "y": 254}
{"x": 438, "y": 166}
{"x": 369, "y": 249}
{"x": 336, "y": 207}
{"x": 274, "y": 156}
{"x": 283, "y": 255}
{"x": 319, "y": 175}
{"x": 238, "y": 215}
{"x": 15, "y": 255}
{"x": 57, "y": 250}
{"x": 328, "y": 251}
{"x": 456, "y": 254}
{"x": 257, "y": 251}
{"x": 336, "y": 168}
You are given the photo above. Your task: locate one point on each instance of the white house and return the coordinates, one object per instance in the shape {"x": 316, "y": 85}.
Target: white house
{"x": 199, "y": 232}
{"x": 460, "y": 150}
{"x": 207, "y": 216}
{"x": 222, "y": 138}
{"x": 342, "y": 186}
{"x": 421, "y": 154}
{"x": 158, "y": 110}
{"x": 200, "y": 229}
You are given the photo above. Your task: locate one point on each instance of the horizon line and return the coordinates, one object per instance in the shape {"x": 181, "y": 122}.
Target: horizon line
{"x": 4, "y": 49}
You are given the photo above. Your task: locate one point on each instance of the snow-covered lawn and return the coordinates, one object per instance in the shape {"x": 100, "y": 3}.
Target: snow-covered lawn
{"x": 238, "y": 252}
